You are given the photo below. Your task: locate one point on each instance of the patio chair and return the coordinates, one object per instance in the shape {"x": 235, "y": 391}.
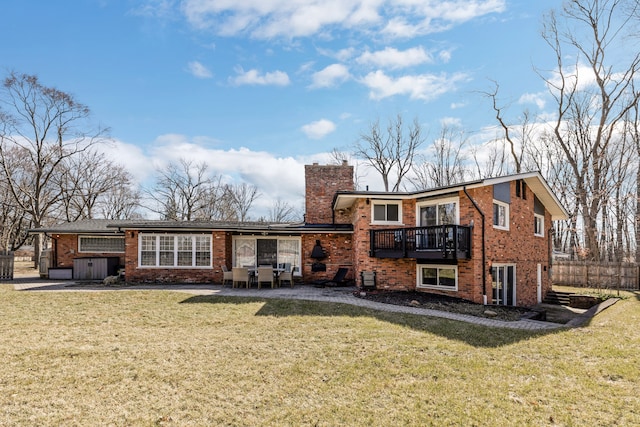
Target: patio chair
{"x": 240, "y": 275}
{"x": 265, "y": 275}
{"x": 286, "y": 275}
{"x": 338, "y": 280}
{"x": 227, "y": 276}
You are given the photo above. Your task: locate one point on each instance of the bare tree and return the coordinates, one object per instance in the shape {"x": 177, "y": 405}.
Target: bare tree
{"x": 182, "y": 191}
{"x": 122, "y": 201}
{"x": 242, "y": 196}
{"x": 445, "y": 163}
{"x": 40, "y": 127}
{"x": 590, "y": 106}
{"x": 489, "y": 160}
{"x": 516, "y": 145}
{"x": 282, "y": 211}
{"x": 391, "y": 153}
{"x": 633, "y": 130}
{"x": 86, "y": 181}
{"x": 14, "y": 221}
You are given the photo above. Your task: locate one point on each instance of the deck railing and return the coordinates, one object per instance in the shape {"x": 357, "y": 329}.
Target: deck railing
{"x": 432, "y": 242}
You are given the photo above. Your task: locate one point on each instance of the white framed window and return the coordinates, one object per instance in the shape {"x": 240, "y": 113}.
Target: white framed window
{"x": 101, "y": 244}
{"x": 386, "y": 212}
{"x": 438, "y": 212}
{"x": 538, "y": 225}
{"x": 444, "y": 277}
{"x": 500, "y": 215}
{"x": 174, "y": 250}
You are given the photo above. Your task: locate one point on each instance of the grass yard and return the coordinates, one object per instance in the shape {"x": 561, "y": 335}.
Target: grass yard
{"x": 165, "y": 358}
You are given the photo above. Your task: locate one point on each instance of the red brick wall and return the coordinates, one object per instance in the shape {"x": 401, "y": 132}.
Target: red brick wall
{"x": 66, "y": 247}
{"x": 391, "y": 274}
{"x": 321, "y": 184}
{"x": 517, "y": 246}
{"x": 339, "y": 250}
{"x": 220, "y": 253}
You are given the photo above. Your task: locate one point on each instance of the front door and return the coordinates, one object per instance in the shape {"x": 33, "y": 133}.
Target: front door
{"x": 503, "y": 284}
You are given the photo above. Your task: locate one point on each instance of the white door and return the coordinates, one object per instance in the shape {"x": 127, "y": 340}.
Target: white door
{"x": 539, "y": 277}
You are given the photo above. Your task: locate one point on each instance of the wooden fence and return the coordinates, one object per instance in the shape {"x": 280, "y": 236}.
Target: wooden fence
{"x": 6, "y": 266}
{"x": 607, "y": 275}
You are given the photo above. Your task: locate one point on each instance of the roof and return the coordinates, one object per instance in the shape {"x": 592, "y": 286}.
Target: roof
{"x": 534, "y": 180}
{"x": 107, "y": 226}
{"x": 94, "y": 226}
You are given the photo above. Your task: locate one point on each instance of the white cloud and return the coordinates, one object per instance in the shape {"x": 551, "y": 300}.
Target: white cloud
{"x": 533, "y": 98}
{"x": 444, "y": 56}
{"x": 330, "y": 76}
{"x": 275, "y": 177}
{"x": 199, "y": 70}
{"x": 451, "y": 122}
{"x": 268, "y": 19}
{"x": 393, "y": 58}
{"x": 253, "y": 77}
{"x": 319, "y": 129}
{"x": 423, "y": 86}
{"x": 131, "y": 157}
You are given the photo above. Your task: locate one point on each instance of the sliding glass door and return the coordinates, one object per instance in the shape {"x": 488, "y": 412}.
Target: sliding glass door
{"x": 252, "y": 251}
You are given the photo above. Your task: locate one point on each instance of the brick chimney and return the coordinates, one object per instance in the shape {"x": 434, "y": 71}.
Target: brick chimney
{"x": 321, "y": 185}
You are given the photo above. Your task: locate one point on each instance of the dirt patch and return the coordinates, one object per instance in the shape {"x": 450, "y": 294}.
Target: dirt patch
{"x": 449, "y": 304}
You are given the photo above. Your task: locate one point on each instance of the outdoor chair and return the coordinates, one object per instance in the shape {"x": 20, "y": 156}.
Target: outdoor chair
{"x": 265, "y": 275}
{"x": 227, "y": 276}
{"x": 240, "y": 275}
{"x": 286, "y": 275}
{"x": 338, "y": 280}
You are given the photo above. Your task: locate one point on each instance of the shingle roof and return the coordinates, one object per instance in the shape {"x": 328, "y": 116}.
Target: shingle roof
{"x": 106, "y": 226}
{"x": 534, "y": 181}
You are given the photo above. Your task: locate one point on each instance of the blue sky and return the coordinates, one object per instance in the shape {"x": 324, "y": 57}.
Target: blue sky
{"x": 258, "y": 88}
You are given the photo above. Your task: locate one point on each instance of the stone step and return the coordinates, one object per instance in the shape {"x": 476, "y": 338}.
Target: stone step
{"x": 558, "y": 298}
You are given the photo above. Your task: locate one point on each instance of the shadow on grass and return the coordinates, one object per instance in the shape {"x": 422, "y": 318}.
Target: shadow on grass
{"x": 472, "y": 334}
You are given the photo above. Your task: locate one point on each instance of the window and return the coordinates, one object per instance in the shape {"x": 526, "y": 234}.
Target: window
{"x": 101, "y": 244}
{"x": 438, "y": 213}
{"x": 386, "y": 212}
{"x": 438, "y": 277}
{"x": 181, "y": 250}
{"x": 538, "y": 225}
{"x": 148, "y": 250}
{"x": 500, "y": 215}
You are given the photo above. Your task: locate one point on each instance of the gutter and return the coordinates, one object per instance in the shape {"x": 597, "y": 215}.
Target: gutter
{"x": 484, "y": 256}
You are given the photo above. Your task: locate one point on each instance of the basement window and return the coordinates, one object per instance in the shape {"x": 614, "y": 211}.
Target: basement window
{"x": 443, "y": 277}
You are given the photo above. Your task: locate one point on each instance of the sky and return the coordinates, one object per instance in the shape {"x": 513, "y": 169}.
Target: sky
{"x": 259, "y": 88}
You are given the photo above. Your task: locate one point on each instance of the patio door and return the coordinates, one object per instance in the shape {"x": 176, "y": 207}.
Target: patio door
{"x": 503, "y": 284}
{"x": 268, "y": 252}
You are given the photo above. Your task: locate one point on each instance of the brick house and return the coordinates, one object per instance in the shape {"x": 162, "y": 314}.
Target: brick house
{"x": 487, "y": 241}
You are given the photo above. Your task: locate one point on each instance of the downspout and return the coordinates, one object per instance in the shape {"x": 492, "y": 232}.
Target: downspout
{"x": 484, "y": 256}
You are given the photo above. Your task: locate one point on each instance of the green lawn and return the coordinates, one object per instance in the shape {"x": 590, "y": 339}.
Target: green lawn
{"x": 167, "y": 358}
